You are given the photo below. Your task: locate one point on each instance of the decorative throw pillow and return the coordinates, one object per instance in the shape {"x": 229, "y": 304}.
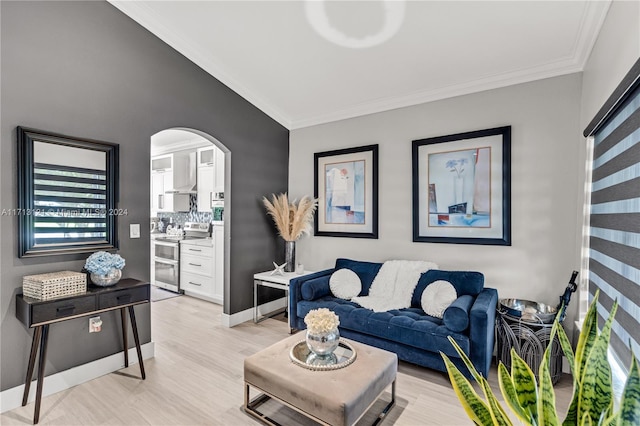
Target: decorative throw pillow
{"x": 437, "y": 297}
{"x": 345, "y": 284}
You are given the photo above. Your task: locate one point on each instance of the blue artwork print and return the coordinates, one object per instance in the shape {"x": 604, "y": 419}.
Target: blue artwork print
{"x": 460, "y": 188}
{"x": 345, "y": 192}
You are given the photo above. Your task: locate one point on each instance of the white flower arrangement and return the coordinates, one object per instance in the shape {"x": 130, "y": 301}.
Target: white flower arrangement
{"x": 321, "y": 320}
{"x": 101, "y": 262}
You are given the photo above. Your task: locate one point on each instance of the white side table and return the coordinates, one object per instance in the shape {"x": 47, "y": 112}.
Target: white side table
{"x": 281, "y": 282}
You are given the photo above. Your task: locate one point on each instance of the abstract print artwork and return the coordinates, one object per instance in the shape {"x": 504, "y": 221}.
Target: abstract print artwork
{"x": 346, "y": 186}
{"x": 344, "y": 192}
{"x": 462, "y": 188}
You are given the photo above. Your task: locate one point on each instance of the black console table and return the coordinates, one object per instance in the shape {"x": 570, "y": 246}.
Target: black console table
{"x": 39, "y": 314}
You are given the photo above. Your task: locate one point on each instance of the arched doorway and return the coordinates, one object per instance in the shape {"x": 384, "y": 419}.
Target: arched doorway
{"x": 189, "y": 191}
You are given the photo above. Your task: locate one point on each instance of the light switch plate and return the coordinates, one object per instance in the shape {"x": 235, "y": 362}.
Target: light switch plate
{"x": 134, "y": 230}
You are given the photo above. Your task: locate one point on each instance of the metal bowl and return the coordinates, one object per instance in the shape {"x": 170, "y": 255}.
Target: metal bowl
{"x": 529, "y": 310}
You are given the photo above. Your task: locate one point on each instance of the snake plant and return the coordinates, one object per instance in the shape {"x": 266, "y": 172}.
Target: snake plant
{"x": 533, "y": 403}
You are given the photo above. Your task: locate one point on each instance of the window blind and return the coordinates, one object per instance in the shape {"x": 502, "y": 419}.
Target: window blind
{"x": 614, "y": 218}
{"x": 69, "y": 205}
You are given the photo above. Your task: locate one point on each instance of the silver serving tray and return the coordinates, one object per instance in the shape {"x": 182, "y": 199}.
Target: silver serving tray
{"x": 343, "y": 356}
{"x": 529, "y": 310}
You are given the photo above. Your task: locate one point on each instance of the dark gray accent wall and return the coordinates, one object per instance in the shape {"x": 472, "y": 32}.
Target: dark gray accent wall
{"x": 85, "y": 69}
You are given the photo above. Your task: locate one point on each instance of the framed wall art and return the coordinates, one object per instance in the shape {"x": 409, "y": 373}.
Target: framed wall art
{"x": 462, "y": 188}
{"x": 346, "y": 186}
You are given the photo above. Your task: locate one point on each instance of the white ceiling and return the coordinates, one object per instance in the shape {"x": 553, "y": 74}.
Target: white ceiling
{"x": 268, "y": 52}
{"x": 175, "y": 140}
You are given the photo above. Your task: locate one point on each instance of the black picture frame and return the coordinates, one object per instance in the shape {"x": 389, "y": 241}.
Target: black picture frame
{"x": 33, "y": 179}
{"x": 355, "y": 173}
{"x": 478, "y": 210}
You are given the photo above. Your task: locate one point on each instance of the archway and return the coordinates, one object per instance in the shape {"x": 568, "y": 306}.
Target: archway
{"x": 190, "y": 181}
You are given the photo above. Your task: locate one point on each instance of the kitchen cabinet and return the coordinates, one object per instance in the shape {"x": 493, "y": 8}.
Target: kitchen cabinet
{"x": 206, "y": 177}
{"x": 171, "y": 172}
{"x": 210, "y": 175}
{"x": 218, "y": 246}
{"x": 219, "y": 172}
{"x": 198, "y": 270}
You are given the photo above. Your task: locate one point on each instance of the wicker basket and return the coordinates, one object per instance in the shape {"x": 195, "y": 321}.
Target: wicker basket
{"x": 54, "y": 284}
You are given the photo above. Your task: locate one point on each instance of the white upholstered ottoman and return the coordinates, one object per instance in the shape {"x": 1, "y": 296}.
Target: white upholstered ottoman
{"x": 335, "y": 397}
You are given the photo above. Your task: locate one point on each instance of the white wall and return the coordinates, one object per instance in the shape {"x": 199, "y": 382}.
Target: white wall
{"x": 546, "y": 173}
{"x": 616, "y": 50}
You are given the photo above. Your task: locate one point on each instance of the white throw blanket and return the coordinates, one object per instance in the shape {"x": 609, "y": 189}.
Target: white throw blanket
{"x": 393, "y": 286}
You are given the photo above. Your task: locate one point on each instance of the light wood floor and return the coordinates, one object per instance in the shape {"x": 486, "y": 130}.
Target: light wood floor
{"x": 196, "y": 379}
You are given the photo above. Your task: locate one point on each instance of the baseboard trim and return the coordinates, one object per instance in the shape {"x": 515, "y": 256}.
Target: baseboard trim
{"x": 247, "y": 315}
{"x": 12, "y": 398}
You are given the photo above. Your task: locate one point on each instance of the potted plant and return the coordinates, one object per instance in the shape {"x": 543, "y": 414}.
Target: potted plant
{"x": 293, "y": 220}
{"x": 534, "y": 403}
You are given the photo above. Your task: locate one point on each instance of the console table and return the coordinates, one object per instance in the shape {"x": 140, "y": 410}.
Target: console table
{"x": 39, "y": 314}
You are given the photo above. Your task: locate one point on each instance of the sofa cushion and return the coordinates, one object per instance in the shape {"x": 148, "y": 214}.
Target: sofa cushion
{"x": 315, "y": 288}
{"x": 367, "y": 271}
{"x": 470, "y": 283}
{"x": 345, "y": 284}
{"x": 437, "y": 297}
{"x": 456, "y": 316}
{"x": 409, "y": 326}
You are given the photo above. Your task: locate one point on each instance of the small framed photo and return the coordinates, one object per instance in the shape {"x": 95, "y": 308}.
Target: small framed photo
{"x": 462, "y": 188}
{"x": 346, "y": 186}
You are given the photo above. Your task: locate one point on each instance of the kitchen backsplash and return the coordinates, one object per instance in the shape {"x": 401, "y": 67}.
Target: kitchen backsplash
{"x": 193, "y": 215}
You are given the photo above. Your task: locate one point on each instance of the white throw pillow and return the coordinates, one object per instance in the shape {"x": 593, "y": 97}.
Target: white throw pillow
{"x": 345, "y": 284}
{"x": 437, "y": 297}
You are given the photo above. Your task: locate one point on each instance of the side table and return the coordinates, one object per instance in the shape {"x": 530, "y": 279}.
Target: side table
{"x": 281, "y": 282}
{"x": 530, "y": 340}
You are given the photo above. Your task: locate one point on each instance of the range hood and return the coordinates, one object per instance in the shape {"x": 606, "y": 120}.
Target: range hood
{"x": 184, "y": 174}
{"x": 183, "y": 190}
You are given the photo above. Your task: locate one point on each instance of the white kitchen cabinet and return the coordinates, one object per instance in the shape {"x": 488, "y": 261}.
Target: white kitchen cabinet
{"x": 206, "y": 176}
{"x": 219, "y": 172}
{"x": 198, "y": 270}
{"x": 218, "y": 246}
{"x": 207, "y": 156}
{"x": 171, "y": 172}
{"x": 210, "y": 175}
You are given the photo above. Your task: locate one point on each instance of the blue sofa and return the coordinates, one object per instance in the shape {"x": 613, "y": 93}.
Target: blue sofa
{"x": 412, "y": 334}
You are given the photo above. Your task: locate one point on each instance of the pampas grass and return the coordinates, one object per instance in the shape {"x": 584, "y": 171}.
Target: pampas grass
{"x": 293, "y": 220}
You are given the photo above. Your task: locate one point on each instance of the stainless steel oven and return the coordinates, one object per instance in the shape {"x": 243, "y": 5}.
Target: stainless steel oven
{"x": 166, "y": 260}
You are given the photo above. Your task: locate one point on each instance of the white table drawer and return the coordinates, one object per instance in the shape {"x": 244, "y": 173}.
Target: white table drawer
{"x": 196, "y": 264}
{"x": 186, "y": 249}
{"x": 195, "y": 282}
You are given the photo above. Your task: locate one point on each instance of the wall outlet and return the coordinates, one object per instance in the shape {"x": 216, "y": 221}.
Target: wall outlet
{"x": 95, "y": 325}
{"x": 134, "y": 230}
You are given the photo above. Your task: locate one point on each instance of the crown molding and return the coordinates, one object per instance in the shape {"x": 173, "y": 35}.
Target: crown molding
{"x": 488, "y": 83}
{"x": 592, "y": 20}
{"x": 144, "y": 15}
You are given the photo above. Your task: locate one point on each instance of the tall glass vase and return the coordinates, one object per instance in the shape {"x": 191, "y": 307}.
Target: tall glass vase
{"x": 290, "y": 256}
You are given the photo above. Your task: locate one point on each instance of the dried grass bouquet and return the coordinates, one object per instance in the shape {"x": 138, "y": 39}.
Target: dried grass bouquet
{"x": 321, "y": 320}
{"x": 293, "y": 219}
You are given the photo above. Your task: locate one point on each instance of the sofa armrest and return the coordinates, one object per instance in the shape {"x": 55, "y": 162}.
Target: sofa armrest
{"x": 295, "y": 296}
{"x": 482, "y": 329}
